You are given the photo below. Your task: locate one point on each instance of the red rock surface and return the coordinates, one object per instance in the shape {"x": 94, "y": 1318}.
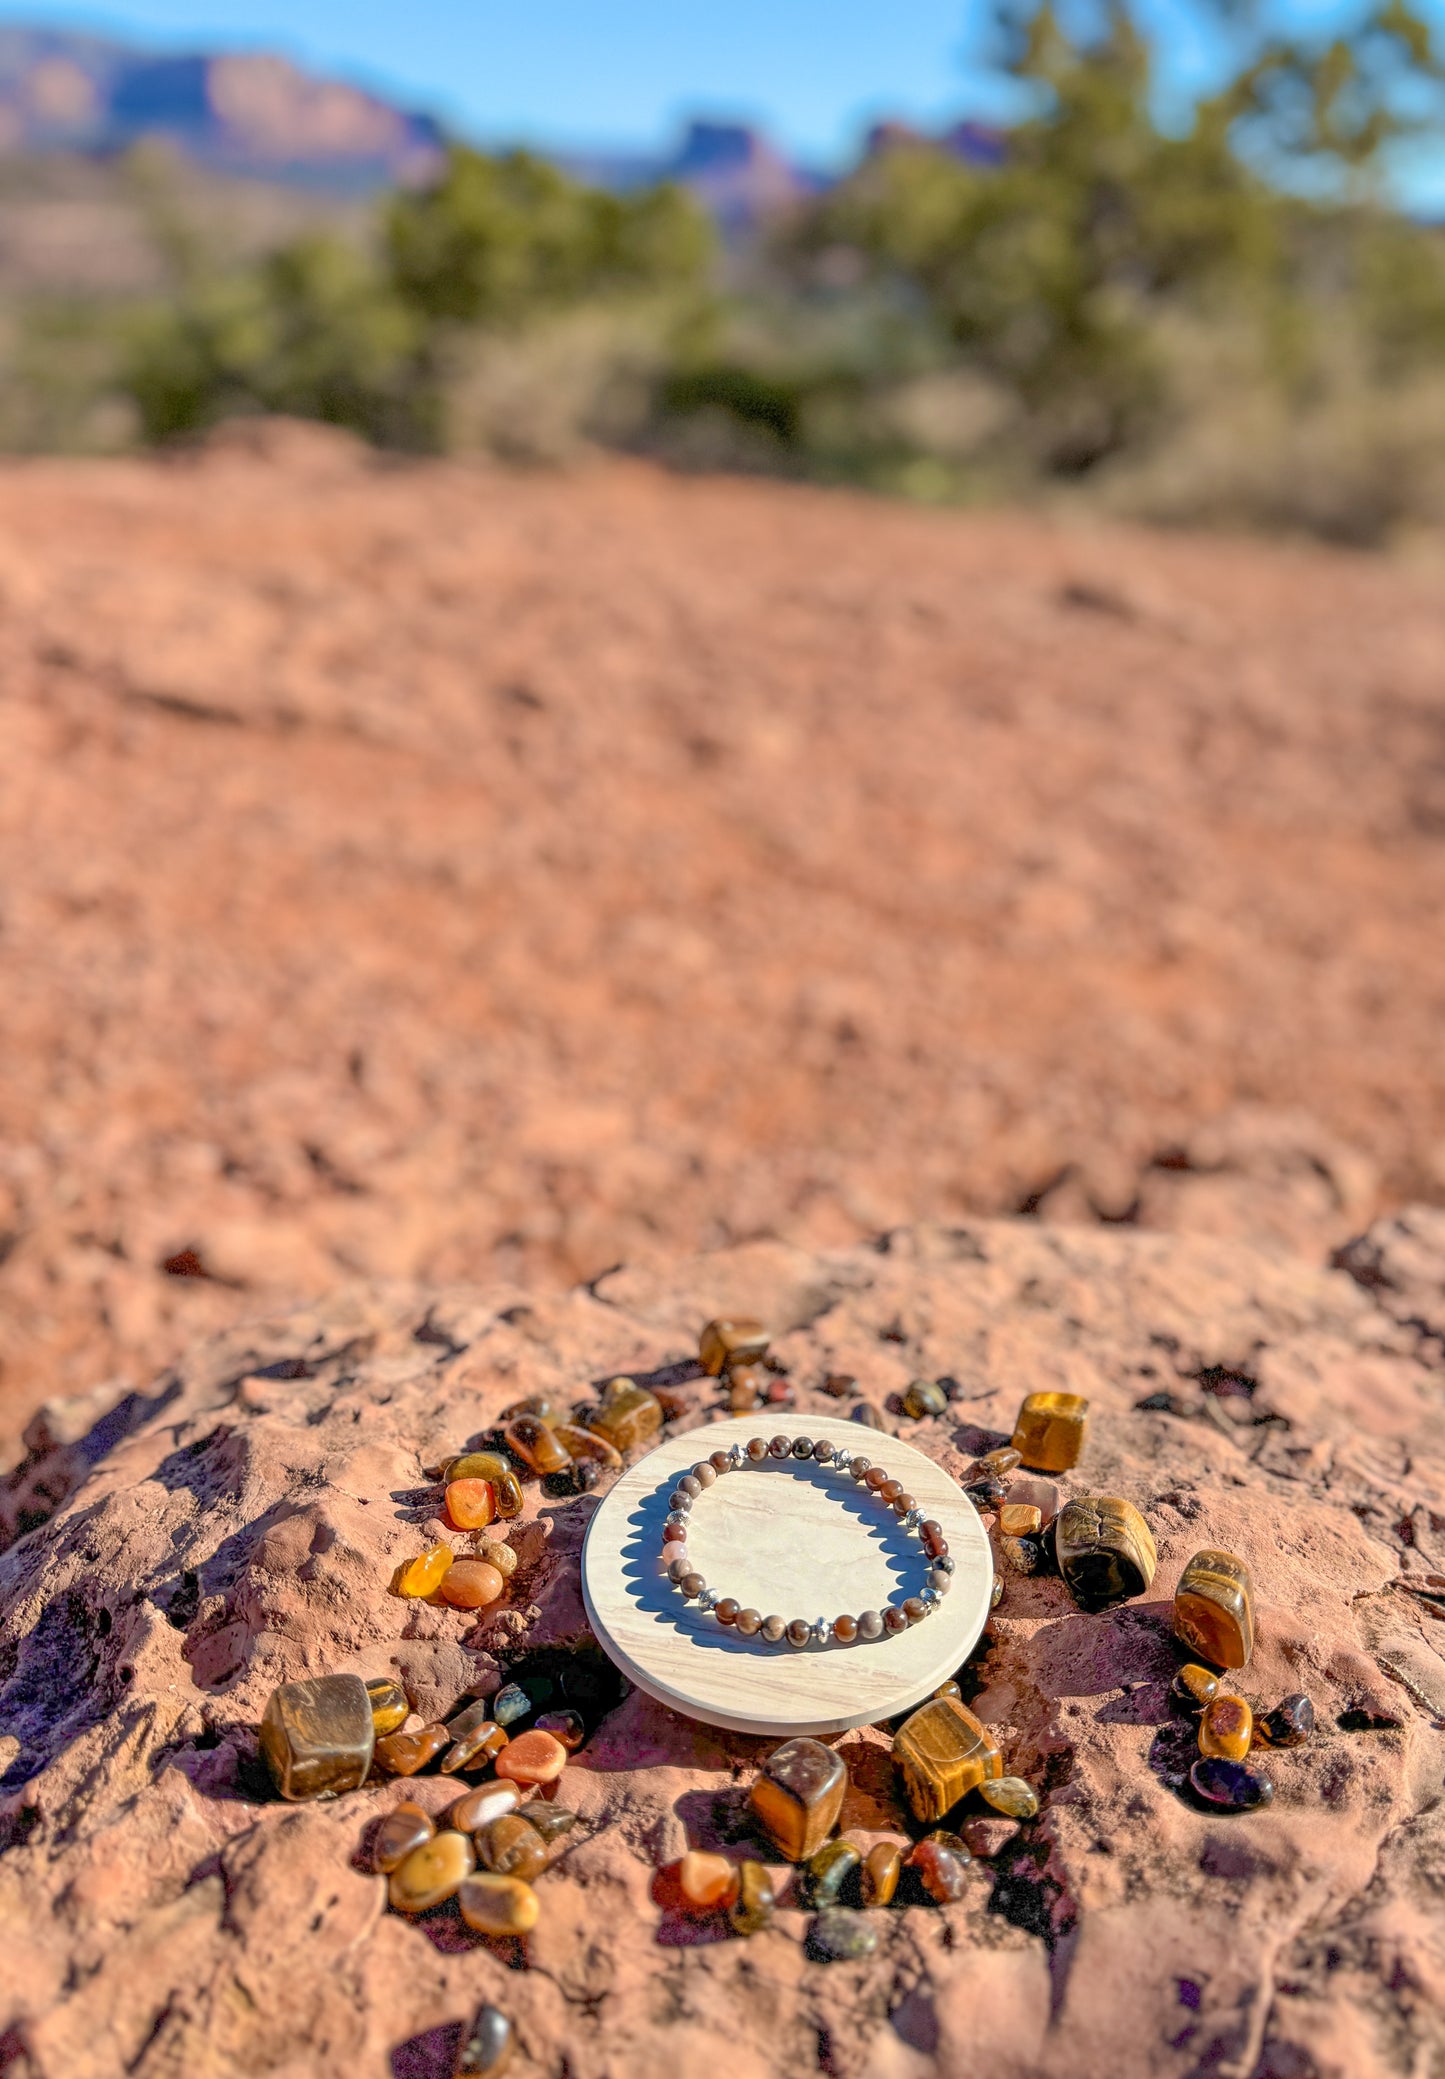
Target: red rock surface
{"x": 163, "y": 1918}
{"x": 424, "y": 872}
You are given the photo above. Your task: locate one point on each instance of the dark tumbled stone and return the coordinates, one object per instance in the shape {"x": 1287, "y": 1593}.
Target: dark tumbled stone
{"x": 1230, "y": 1786}
{"x": 841, "y": 1936}
{"x": 486, "y": 2047}
{"x": 1289, "y": 1724}
{"x": 827, "y": 1872}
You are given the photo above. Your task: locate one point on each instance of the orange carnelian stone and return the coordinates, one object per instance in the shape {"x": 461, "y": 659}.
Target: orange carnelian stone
{"x": 471, "y": 1503}
{"x": 708, "y": 1883}
{"x": 533, "y": 1757}
{"x": 470, "y": 1584}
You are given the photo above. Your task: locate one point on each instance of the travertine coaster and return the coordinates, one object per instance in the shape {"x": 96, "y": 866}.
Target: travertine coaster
{"x": 793, "y": 1537}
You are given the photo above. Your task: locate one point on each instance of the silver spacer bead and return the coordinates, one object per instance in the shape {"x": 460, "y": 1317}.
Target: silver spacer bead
{"x": 929, "y": 1596}
{"x": 709, "y": 1599}
{"x": 739, "y": 1456}
{"x": 822, "y": 1630}
{"x": 912, "y": 1520}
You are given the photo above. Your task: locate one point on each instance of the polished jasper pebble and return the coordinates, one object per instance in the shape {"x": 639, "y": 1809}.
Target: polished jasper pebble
{"x": 1289, "y": 1724}
{"x": 1017, "y": 1520}
{"x": 512, "y": 1847}
{"x": 881, "y": 1869}
{"x": 495, "y": 1905}
{"x": 483, "y": 1743}
{"x": 627, "y": 1417}
{"x": 752, "y": 1910}
{"x": 1230, "y": 1785}
{"x": 405, "y": 1827}
{"x": 471, "y": 1584}
{"x": 1011, "y": 1796}
{"x": 797, "y": 1796}
{"x": 486, "y": 2047}
{"x": 943, "y": 1752}
{"x": 510, "y": 1703}
{"x": 707, "y": 1883}
{"x": 565, "y": 1726}
{"x": 1214, "y": 1608}
{"x": 1105, "y": 1551}
{"x": 1195, "y": 1686}
{"x": 420, "y": 1577}
{"x": 403, "y": 1754}
{"x": 533, "y": 1757}
{"x": 536, "y": 1444}
{"x": 1050, "y": 1431}
{"x": 941, "y": 1870}
{"x": 727, "y": 1343}
{"x": 498, "y": 1553}
{"x": 1225, "y": 1728}
{"x": 317, "y": 1736}
{"x": 923, "y": 1398}
{"x": 431, "y": 1873}
{"x": 390, "y": 1705}
{"x": 827, "y": 1871}
{"x": 841, "y": 1936}
{"x": 550, "y": 1821}
{"x": 471, "y": 1504}
{"x": 480, "y": 1807}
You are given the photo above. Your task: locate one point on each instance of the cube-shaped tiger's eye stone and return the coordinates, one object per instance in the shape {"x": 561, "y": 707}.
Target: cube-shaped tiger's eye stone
{"x": 480, "y": 1807}
{"x": 628, "y": 1418}
{"x": 841, "y": 1936}
{"x": 533, "y": 1757}
{"x": 1226, "y": 1727}
{"x": 707, "y": 1883}
{"x": 588, "y": 1444}
{"x": 1017, "y": 1520}
{"x": 495, "y": 1905}
{"x": 512, "y": 1848}
{"x": 1289, "y": 1724}
{"x": 923, "y": 1398}
{"x": 827, "y": 1871}
{"x": 1195, "y": 1686}
{"x": 1105, "y": 1551}
{"x": 317, "y": 1736}
{"x": 942, "y": 1872}
{"x": 752, "y": 1910}
{"x": 1214, "y": 1608}
{"x": 485, "y": 2050}
{"x": 882, "y": 1867}
{"x": 727, "y": 1343}
{"x": 431, "y": 1873}
{"x": 1050, "y": 1430}
{"x": 474, "y": 1748}
{"x": 1011, "y": 1796}
{"x": 943, "y": 1752}
{"x": 404, "y": 1754}
{"x": 390, "y": 1705}
{"x": 471, "y": 1503}
{"x": 420, "y": 1577}
{"x": 797, "y": 1796}
{"x": 535, "y": 1443}
{"x": 405, "y": 1827}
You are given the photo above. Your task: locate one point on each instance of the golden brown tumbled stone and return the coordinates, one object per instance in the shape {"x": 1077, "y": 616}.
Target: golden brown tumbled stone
{"x": 512, "y": 1847}
{"x": 1050, "y": 1431}
{"x": 1105, "y": 1550}
{"x": 752, "y": 1910}
{"x": 499, "y": 1472}
{"x": 1225, "y": 1728}
{"x": 727, "y": 1343}
{"x": 480, "y": 1807}
{"x": 431, "y": 1873}
{"x": 588, "y": 1443}
{"x": 1019, "y": 1520}
{"x": 1214, "y": 1608}
{"x": 1011, "y": 1796}
{"x": 390, "y": 1705}
{"x": 797, "y": 1796}
{"x": 1195, "y": 1685}
{"x": 496, "y": 1905}
{"x": 536, "y": 1444}
{"x": 881, "y": 1869}
{"x": 706, "y": 1883}
{"x": 943, "y": 1752}
{"x": 317, "y": 1736}
{"x": 474, "y": 1748}
{"x": 628, "y": 1417}
{"x": 405, "y": 1827}
{"x": 403, "y": 1754}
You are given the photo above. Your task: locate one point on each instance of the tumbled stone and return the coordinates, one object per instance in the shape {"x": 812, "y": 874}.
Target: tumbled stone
{"x": 565, "y": 1726}
{"x": 512, "y": 1847}
{"x": 882, "y": 1867}
{"x": 706, "y": 1883}
{"x": 942, "y": 1753}
{"x": 498, "y": 1472}
{"x": 495, "y": 1905}
{"x": 405, "y": 1827}
{"x": 941, "y": 1870}
{"x": 1033, "y": 1491}
{"x": 548, "y": 1820}
{"x": 471, "y": 1504}
{"x": 746, "y": 1389}
{"x": 403, "y": 1753}
{"x": 752, "y": 1910}
{"x": 1011, "y": 1796}
{"x": 431, "y": 1873}
{"x": 1214, "y": 1608}
{"x": 868, "y": 1415}
{"x": 1017, "y": 1520}
{"x": 390, "y": 1704}
{"x": 1289, "y": 1724}
{"x": 726, "y": 1343}
{"x": 1021, "y": 1555}
{"x": 923, "y": 1399}
{"x": 486, "y": 2047}
{"x": 841, "y": 1936}
{"x": 533, "y": 1757}
{"x": 498, "y": 1553}
{"x": 986, "y": 1494}
{"x": 420, "y": 1577}
{"x": 995, "y": 1594}
{"x": 994, "y": 1464}
{"x": 1225, "y": 1727}
{"x": 588, "y": 1444}
{"x": 471, "y": 1584}
{"x": 838, "y": 1385}
{"x": 950, "y": 1690}
{"x": 474, "y": 1748}
{"x": 480, "y": 1807}
{"x": 1229, "y": 1785}
{"x": 1050, "y": 1431}
{"x": 987, "y": 1834}
{"x": 510, "y": 1703}
{"x": 628, "y": 1417}
{"x": 797, "y": 1796}
{"x": 536, "y": 1445}
{"x": 1105, "y": 1551}
{"x": 317, "y": 1736}
{"x": 1194, "y": 1686}
{"x": 827, "y": 1871}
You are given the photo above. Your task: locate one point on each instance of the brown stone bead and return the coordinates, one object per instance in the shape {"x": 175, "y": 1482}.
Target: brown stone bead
{"x": 679, "y": 1566}
{"x": 882, "y": 1866}
{"x": 845, "y": 1629}
{"x": 994, "y": 1464}
{"x": 565, "y": 1726}
{"x": 941, "y": 1871}
{"x": 480, "y": 1807}
{"x": 628, "y": 1416}
{"x": 533, "y": 1757}
{"x": 708, "y": 1883}
{"x": 902, "y": 1503}
{"x": 405, "y": 1827}
{"x": 773, "y": 1628}
{"x": 536, "y": 1444}
{"x": 930, "y": 1536}
{"x": 431, "y": 1873}
{"x": 420, "y": 1577}
{"x": 492, "y": 1904}
{"x": 799, "y": 1632}
{"x": 471, "y": 1504}
{"x": 757, "y": 1448}
{"x": 485, "y": 2050}
{"x": 474, "y": 1748}
{"x": 470, "y": 1584}
{"x": 692, "y": 1586}
{"x": 1214, "y": 1608}
{"x": 720, "y": 1461}
{"x": 749, "y": 1622}
{"x": 797, "y": 1796}
{"x": 876, "y": 1478}
{"x": 890, "y": 1490}
{"x": 1050, "y": 1431}
{"x": 390, "y": 1705}
{"x": 726, "y": 1612}
{"x": 752, "y": 1910}
{"x": 914, "y": 1609}
{"x": 860, "y": 1469}
{"x": 870, "y": 1625}
{"x": 1017, "y": 1520}
{"x": 942, "y": 1753}
{"x": 731, "y": 1343}
{"x": 512, "y": 1848}
{"x": 1225, "y": 1728}
{"x": 317, "y": 1736}
{"x": 704, "y": 1473}
{"x": 403, "y": 1754}
{"x": 894, "y": 1619}
{"x": 1105, "y": 1551}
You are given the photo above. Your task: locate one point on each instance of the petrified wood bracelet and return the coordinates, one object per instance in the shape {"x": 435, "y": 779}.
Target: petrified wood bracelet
{"x": 800, "y": 1631}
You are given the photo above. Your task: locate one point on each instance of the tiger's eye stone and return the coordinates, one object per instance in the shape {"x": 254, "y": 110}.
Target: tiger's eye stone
{"x": 1016, "y": 1520}
{"x": 708, "y": 1883}
{"x": 1226, "y": 1727}
{"x": 1105, "y": 1551}
{"x": 941, "y": 1871}
{"x": 403, "y": 1754}
{"x": 692, "y": 1586}
{"x": 628, "y": 1417}
{"x": 471, "y": 1503}
{"x": 550, "y": 1821}
{"x": 480, "y": 1807}
{"x": 565, "y": 1726}
{"x": 470, "y": 1584}
{"x": 802, "y": 1447}
{"x": 757, "y": 1449}
{"x": 1289, "y": 1724}
{"x": 431, "y": 1873}
{"x": 1214, "y": 1608}
{"x": 405, "y": 1827}
{"x": 1195, "y": 1686}
{"x": 533, "y": 1757}
{"x": 485, "y": 2050}
{"x": 799, "y": 1632}
{"x": 994, "y": 1464}
{"x": 841, "y": 1936}
{"x": 317, "y": 1736}
{"x": 1050, "y": 1431}
{"x": 420, "y": 1577}
{"x": 951, "y": 1690}
{"x": 797, "y": 1796}
{"x": 512, "y": 1848}
{"x": 727, "y": 1611}
{"x": 731, "y": 1342}
{"x": 495, "y": 1905}
{"x": 390, "y": 1705}
{"x": 752, "y": 1910}
{"x": 828, "y": 1871}
{"x": 749, "y": 1622}
{"x": 1011, "y": 1796}
{"x": 536, "y": 1444}
{"x": 540, "y": 1404}
{"x": 882, "y": 1867}
{"x": 591, "y": 1444}
{"x": 773, "y": 1628}
{"x": 923, "y": 1398}
{"x": 474, "y": 1748}
{"x": 845, "y": 1629}
{"x": 498, "y": 1553}
{"x": 1229, "y": 1785}
{"x": 943, "y": 1752}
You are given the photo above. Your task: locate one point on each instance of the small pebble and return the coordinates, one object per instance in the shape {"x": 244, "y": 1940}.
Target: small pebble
{"x": 841, "y": 1936}
{"x": 483, "y": 1743}
{"x": 1226, "y": 1727}
{"x": 752, "y": 1910}
{"x": 1032, "y": 1491}
{"x": 868, "y": 1415}
{"x": 1011, "y": 1796}
{"x": 986, "y": 1494}
{"x": 486, "y": 2047}
{"x": 511, "y": 1847}
{"x": 1195, "y": 1686}
{"x": 994, "y": 1464}
{"x": 403, "y": 1754}
{"x": 405, "y": 1827}
{"x": 1289, "y": 1724}
{"x": 420, "y": 1577}
{"x": 471, "y": 1504}
{"x": 840, "y": 1384}
{"x": 390, "y": 1705}
{"x": 745, "y": 1390}
{"x": 987, "y": 1836}
{"x": 995, "y": 1594}
{"x": 496, "y": 1905}
{"x": 923, "y": 1399}
{"x": 431, "y": 1873}
{"x": 480, "y": 1807}
{"x": 1230, "y": 1785}
{"x": 470, "y": 1584}
{"x": 942, "y": 1871}
{"x": 550, "y": 1821}
{"x": 533, "y": 1757}
{"x": 882, "y": 1867}
{"x": 823, "y": 1876}
{"x": 565, "y": 1726}
{"x": 511, "y": 1703}
{"x": 1019, "y": 1520}
{"x": 707, "y": 1883}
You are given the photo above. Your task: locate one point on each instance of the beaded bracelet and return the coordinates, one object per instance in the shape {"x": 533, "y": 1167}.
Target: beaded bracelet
{"x": 774, "y": 1631}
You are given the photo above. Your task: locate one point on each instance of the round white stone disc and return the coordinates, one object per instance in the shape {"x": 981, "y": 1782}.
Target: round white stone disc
{"x": 789, "y": 1537}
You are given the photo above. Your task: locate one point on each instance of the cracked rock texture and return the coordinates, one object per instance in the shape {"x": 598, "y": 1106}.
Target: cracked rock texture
{"x": 426, "y": 872}
{"x": 238, "y": 1523}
